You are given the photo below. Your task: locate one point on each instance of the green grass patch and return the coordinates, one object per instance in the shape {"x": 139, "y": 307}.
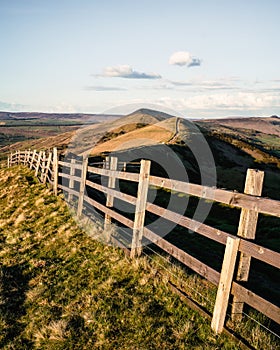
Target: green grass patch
{"x": 62, "y": 290}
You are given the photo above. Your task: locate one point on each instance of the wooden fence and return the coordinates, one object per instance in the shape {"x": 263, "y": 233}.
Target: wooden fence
{"x": 239, "y": 249}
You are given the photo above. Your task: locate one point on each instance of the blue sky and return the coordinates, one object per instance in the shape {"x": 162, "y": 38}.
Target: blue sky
{"x": 200, "y": 58}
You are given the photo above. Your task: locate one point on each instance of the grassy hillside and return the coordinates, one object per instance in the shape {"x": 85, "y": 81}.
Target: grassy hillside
{"x": 59, "y": 289}
{"x": 256, "y": 137}
{"x": 18, "y": 127}
{"x": 78, "y": 138}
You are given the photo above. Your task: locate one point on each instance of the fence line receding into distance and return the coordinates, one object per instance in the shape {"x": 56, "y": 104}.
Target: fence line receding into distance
{"x": 239, "y": 249}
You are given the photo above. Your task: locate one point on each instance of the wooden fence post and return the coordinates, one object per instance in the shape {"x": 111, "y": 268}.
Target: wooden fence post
{"x": 47, "y": 168}
{"x": 38, "y": 163}
{"x": 71, "y": 181}
{"x": 140, "y": 208}
{"x": 55, "y": 171}
{"x": 106, "y": 163}
{"x": 11, "y": 160}
{"x": 32, "y": 159}
{"x": 43, "y": 167}
{"x": 82, "y": 185}
{"x": 28, "y": 157}
{"x": 25, "y": 157}
{"x": 226, "y": 277}
{"x": 110, "y": 198}
{"x": 247, "y": 229}
{"x": 20, "y": 157}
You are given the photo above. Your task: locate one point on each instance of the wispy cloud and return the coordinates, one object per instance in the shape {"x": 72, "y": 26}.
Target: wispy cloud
{"x": 13, "y": 107}
{"x": 205, "y": 84}
{"x": 104, "y": 88}
{"x": 126, "y": 71}
{"x": 239, "y": 101}
{"x": 184, "y": 58}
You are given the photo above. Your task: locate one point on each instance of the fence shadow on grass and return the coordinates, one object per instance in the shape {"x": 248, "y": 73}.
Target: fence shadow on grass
{"x": 14, "y": 284}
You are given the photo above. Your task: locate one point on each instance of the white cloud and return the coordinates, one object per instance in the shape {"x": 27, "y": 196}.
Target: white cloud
{"x": 126, "y": 71}
{"x": 62, "y": 107}
{"x": 184, "y": 58}
{"x": 240, "y": 101}
{"x": 104, "y": 88}
{"x": 204, "y": 85}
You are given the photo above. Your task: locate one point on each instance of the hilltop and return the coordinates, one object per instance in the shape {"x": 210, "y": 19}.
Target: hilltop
{"x": 85, "y": 137}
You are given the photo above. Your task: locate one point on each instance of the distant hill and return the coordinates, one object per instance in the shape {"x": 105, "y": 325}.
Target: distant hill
{"x": 171, "y": 130}
{"x": 82, "y": 117}
{"x": 236, "y": 143}
{"x": 267, "y": 125}
{"x": 18, "y": 127}
{"x": 258, "y": 137}
{"x": 87, "y": 136}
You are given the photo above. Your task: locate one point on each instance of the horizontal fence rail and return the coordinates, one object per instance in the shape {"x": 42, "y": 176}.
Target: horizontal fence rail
{"x": 77, "y": 180}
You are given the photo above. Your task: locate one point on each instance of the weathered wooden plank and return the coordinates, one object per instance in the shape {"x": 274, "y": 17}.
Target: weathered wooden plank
{"x": 55, "y": 171}
{"x": 205, "y": 230}
{"x": 46, "y": 176}
{"x": 50, "y": 180}
{"x": 263, "y": 254}
{"x": 38, "y": 163}
{"x": 247, "y": 229}
{"x": 265, "y": 307}
{"x": 43, "y": 166}
{"x": 249, "y": 218}
{"x": 185, "y": 258}
{"x": 71, "y": 177}
{"x": 69, "y": 165}
{"x": 112, "y": 181}
{"x": 140, "y": 208}
{"x": 69, "y": 190}
{"x": 224, "y": 287}
{"x": 33, "y": 158}
{"x": 113, "y": 164}
{"x": 25, "y": 157}
{"x": 235, "y": 199}
{"x": 120, "y": 195}
{"x": 82, "y": 186}
{"x": 28, "y": 158}
{"x": 68, "y": 176}
{"x": 120, "y": 218}
{"x": 117, "y": 174}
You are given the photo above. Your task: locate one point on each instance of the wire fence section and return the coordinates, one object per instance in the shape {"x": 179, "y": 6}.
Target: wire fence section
{"x": 95, "y": 186}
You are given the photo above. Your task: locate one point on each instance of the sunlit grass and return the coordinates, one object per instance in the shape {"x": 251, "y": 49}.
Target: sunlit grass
{"x": 60, "y": 289}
